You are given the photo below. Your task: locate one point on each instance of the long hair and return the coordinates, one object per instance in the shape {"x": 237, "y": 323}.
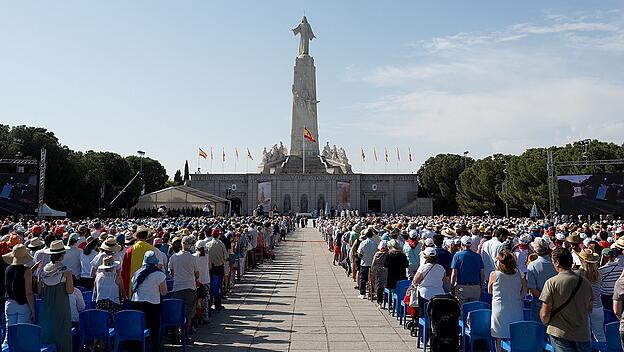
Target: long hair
{"x": 507, "y": 262}
{"x": 590, "y": 271}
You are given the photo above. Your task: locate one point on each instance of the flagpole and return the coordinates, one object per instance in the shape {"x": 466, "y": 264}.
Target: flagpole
{"x": 303, "y": 155}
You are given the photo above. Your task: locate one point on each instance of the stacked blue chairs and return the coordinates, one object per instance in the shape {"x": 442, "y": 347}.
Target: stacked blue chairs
{"x": 94, "y": 327}
{"x": 525, "y": 336}
{"x": 172, "y": 315}
{"x": 467, "y": 308}
{"x": 88, "y": 298}
{"x": 129, "y": 325}
{"x": 613, "y": 343}
{"x": 526, "y": 314}
{"x": 26, "y": 338}
{"x": 486, "y": 298}
{"x": 169, "y": 285}
{"x": 398, "y": 295}
{"x": 423, "y": 326}
{"x": 479, "y": 329}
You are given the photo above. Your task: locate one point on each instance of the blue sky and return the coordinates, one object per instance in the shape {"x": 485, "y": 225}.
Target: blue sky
{"x": 436, "y": 76}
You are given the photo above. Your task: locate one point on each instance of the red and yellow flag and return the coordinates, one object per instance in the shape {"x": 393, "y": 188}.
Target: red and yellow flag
{"x": 249, "y": 155}
{"x": 308, "y": 135}
{"x": 202, "y": 153}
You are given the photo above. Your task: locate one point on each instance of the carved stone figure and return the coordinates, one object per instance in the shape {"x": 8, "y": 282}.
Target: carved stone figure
{"x": 334, "y": 153}
{"x": 265, "y": 156}
{"x": 326, "y": 151}
{"x": 342, "y": 156}
{"x": 305, "y": 32}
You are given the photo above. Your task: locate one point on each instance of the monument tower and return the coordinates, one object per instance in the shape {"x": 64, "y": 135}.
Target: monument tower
{"x": 304, "y": 114}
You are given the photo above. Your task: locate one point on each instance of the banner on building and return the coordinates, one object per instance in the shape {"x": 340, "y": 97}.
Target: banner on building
{"x": 343, "y": 195}
{"x": 264, "y": 195}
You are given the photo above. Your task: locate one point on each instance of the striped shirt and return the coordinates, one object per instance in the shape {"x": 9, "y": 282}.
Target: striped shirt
{"x": 609, "y": 272}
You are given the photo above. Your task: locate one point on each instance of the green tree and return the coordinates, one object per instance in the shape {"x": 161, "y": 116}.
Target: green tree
{"x": 186, "y": 171}
{"x": 154, "y": 174}
{"x": 177, "y": 178}
{"x": 480, "y": 186}
{"x": 439, "y": 176}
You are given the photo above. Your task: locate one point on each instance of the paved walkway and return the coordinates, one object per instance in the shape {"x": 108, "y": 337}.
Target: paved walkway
{"x": 300, "y": 302}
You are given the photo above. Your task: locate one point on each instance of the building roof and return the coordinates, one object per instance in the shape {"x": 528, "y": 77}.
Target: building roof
{"x": 177, "y": 197}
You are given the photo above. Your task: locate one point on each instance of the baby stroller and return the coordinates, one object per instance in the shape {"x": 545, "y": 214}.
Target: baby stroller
{"x": 444, "y": 312}
{"x": 411, "y": 312}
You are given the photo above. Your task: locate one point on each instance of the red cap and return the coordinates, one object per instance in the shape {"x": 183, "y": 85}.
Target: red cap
{"x": 215, "y": 233}
{"x": 36, "y": 230}
{"x": 59, "y": 230}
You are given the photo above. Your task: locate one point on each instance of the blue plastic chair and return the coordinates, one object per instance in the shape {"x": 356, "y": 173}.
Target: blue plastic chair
{"x": 525, "y": 336}
{"x": 423, "y": 325}
{"x": 169, "y": 285}
{"x": 88, "y": 298}
{"x": 609, "y": 317}
{"x": 479, "y": 328}
{"x": 486, "y": 298}
{"x": 466, "y": 309}
{"x": 26, "y": 338}
{"x": 172, "y": 315}
{"x": 37, "y": 309}
{"x": 387, "y": 297}
{"x": 94, "y": 326}
{"x": 613, "y": 343}
{"x": 129, "y": 325}
{"x": 398, "y": 295}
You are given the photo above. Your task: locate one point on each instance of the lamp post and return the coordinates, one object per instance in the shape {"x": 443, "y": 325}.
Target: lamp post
{"x": 141, "y": 155}
{"x": 504, "y": 191}
{"x": 466, "y": 159}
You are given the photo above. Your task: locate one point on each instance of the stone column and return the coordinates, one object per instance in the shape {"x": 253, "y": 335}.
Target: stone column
{"x": 304, "y": 113}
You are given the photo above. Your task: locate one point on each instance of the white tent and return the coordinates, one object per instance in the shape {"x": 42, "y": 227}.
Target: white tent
{"x": 181, "y": 197}
{"x": 48, "y": 212}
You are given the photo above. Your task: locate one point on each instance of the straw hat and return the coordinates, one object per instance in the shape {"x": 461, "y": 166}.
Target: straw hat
{"x": 448, "y": 232}
{"x": 109, "y": 262}
{"x": 20, "y": 255}
{"x": 589, "y": 256}
{"x": 574, "y": 238}
{"x": 619, "y": 243}
{"x": 395, "y": 245}
{"x": 110, "y": 245}
{"x": 56, "y": 247}
{"x": 539, "y": 245}
{"x": 35, "y": 242}
{"x": 14, "y": 240}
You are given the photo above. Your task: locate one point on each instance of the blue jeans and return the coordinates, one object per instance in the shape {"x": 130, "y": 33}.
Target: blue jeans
{"x": 16, "y": 313}
{"x": 562, "y": 345}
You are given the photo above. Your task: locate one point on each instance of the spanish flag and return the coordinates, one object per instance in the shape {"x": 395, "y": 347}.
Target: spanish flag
{"x": 249, "y": 154}
{"x": 202, "y": 153}
{"x": 132, "y": 261}
{"x": 308, "y": 135}
{"x": 363, "y": 155}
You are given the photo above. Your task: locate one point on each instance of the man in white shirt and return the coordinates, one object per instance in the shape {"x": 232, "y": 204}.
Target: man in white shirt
{"x": 72, "y": 256}
{"x": 366, "y": 251}
{"x": 491, "y": 248}
{"x": 183, "y": 269}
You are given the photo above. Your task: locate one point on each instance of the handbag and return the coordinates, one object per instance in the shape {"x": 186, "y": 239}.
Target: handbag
{"x": 560, "y": 308}
{"x": 415, "y": 295}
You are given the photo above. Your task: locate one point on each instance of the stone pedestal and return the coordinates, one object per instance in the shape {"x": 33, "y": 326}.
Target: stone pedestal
{"x": 304, "y": 112}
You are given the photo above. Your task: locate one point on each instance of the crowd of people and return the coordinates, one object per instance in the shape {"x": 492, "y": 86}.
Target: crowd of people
{"x": 127, "y": 264}
{"x": 568, "y": 272}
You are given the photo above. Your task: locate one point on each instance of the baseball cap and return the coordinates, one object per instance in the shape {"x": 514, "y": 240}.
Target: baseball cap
{"x": 466, "y": 240}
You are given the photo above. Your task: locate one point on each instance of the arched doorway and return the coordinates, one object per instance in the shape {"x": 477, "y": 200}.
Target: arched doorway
{"x": 236, "y": 205}
{"x": 303, "y": 204}
{"x": 320, "y": 203}
{"x": 286, "y": 208}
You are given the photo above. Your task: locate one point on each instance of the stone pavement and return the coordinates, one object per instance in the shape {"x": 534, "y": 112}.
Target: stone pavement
{"x": 300, "y": 302}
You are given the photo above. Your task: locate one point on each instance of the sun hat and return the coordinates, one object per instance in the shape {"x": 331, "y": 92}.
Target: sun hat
{"x": 56, "y": 247}
{"x": 110, "y": 245}
{"x": 109, "y": 262}
{"x": 356, "y": 228}
{"x": 586, "y": 242}
{"x": 540, "y": 246}
{"x": 413, "y": 234}
{"x": 20, "y": 255}
{"x": 428, "y": 242}
{"x": 188, "y": 241}
{"x": 588, "y": 255}
{"x": 382, "y": 245}
{"x": 394, "y": 244}
{"x": 150, "y": 258}
{"x": 35, "y": 242}
{"x": 73, "y": 237}
{"x": 466, "y": 240}
{"x": 430, "y": 252}
{"x": 619, "y": 243}
{"x": 386, "y": 237}
{"x": 448, "y": 232}
{"x": 608, "y": 252}
{"x": 525, "y": 238}
{"x": 574, "y": 238}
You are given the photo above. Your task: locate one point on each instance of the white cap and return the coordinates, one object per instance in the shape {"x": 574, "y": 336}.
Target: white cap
{"x": 428, "y": 242}
{"x": 560, "y": 236}
{"x": 201, "y": 244}
{"x": 430, "y": 252}
{"x": 525, "y": 238}
{"x": 466, "y": 240}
